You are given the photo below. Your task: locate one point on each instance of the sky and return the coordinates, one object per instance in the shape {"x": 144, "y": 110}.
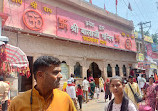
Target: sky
{"x": 142, "y": 11}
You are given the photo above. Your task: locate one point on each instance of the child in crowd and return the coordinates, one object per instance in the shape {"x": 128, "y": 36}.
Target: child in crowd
{"x": 97, "y": 90}
{"x": 79, "y": 93}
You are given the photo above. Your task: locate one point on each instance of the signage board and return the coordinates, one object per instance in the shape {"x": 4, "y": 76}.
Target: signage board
{"x": 40, "y": 17}
{"x": 31, "y": 15}
{"x": 82, "y": 29}
{"x": 148, "y": 39}
{"x": 140, "y": 57}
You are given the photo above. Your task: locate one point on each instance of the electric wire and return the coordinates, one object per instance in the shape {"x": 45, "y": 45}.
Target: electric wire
{"x": 139, "y": 10}
{"x": 137, "y": 19}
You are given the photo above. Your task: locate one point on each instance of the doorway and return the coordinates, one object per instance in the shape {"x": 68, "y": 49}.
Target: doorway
{"x": 95, "y": 71}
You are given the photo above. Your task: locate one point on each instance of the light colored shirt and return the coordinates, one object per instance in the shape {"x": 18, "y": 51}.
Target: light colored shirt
{"x": 141, "y": 82}
{"x": 71, "y": 79}
{"x": 71, "y": 91}
{"x": 117, "y": 107}
{"x": 129, "y": 92}
{"x": 61, "y": 102}
{"x": 4, "y": 88}
{"x": 97, "y": 90}
{"x": 101, "y": 82}
{"x": 85, "y": 85}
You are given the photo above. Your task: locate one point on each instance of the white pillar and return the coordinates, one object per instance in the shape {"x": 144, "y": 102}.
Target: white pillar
{"x": 121, "y": 70}
{"x": 71, "y": 70}
{"x": 105, "y": 72}
{"x": 84, "y": 71}
{"x": 128, "y": 71}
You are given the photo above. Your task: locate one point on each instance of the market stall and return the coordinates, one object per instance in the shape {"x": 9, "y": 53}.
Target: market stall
{"x": 14, "y": 63}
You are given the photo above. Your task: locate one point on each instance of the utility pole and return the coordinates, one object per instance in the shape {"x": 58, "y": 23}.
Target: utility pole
{"x": 157, "y": 5}
{"x": 142, "y": 26}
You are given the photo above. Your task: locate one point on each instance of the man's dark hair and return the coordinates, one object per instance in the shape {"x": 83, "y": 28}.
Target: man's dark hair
{"x": 43, "y": 62}
{"x": 85, "y": 78}
{"x": 72, "y": 75}
{"x": 152, "y": 78}
{"x": 1, "y": 79}
{"x": 79, "y": 86}
{"x": 130, "y": 76}
{"x": 117, "y": 77}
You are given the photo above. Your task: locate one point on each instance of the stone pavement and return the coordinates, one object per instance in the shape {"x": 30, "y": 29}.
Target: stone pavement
{"x": 94, "y": 105}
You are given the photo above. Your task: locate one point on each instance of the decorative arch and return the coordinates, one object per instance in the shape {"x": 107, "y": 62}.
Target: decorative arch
{"x": 78, "y": 70}
{"x": 64, "y": 70}
{"x": 95, "y": 71}
{"x": 124, "y": 70}
{"x": 109, "y": 71}
{"x": 117, "y": 70}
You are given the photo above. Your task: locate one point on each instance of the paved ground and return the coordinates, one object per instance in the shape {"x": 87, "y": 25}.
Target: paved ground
{"x": 94, "y": 105}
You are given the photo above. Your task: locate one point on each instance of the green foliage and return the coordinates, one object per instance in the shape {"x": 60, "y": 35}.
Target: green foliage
{"x": 155, "y": 38}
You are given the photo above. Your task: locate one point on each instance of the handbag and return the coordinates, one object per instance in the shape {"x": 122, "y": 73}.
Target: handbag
{"x": 144, "y": 107}
{"x": 136, "y": 95}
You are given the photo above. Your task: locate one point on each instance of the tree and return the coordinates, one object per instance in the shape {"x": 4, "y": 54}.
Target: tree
{"x": 155, "y": 38}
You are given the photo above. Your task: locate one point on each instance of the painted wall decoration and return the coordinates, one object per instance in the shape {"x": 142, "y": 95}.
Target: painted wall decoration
{"x": 31, "y": 15}
{"x": 43, "y": 18}
{"x": 149, "y": 51}
{"x": 81, "y": 29}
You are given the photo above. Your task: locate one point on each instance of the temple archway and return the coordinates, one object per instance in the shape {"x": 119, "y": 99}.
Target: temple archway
{"x": 95, "y": 71}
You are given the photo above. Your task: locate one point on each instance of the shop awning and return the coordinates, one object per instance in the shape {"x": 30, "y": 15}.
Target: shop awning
{"x": 16, "y": 57}
{"x": 14, "y": 60}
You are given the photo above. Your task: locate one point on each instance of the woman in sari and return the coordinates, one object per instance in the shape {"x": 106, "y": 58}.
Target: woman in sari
{"x": 92, "y": 88}
{"x": 150, "y": 93}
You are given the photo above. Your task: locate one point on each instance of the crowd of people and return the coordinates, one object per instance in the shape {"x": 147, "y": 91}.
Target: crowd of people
{"x": 137, "y": 92}
{"x": 121, "y": 94}
{"x": 143, "y": 94}
{"x": 81, "y": 92}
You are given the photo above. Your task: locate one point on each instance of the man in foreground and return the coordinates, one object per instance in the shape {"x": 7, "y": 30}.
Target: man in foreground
{"x": 44, "y": 96}
{"x": 120, "y": 101}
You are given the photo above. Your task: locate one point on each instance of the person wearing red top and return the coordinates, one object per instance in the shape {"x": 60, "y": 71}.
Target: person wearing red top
{"x": 79, "y": 93}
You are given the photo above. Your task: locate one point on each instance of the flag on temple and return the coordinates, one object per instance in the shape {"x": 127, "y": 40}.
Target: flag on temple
{"x": 129, "y": 7}
{"x": 116, "y": 2}
{"x": 105, "y": 9}
{"x": 116, "y": 6}
{"x": 90, "y": 1}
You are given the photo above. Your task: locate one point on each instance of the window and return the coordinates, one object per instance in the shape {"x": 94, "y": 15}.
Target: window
{"x": 124, "y": 70}
{"x": 78, "y": 70}
{"x": 117, "y": 70}
{"x": 109, "y": 71}
{"x": 64, "y": 70}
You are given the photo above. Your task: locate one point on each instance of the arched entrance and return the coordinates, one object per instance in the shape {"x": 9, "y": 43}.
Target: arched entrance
{"x": 95, "y": 71}
{"x": 78, "y": 70}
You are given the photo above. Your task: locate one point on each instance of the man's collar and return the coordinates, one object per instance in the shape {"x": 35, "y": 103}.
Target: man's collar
{"x": 36, "y": 93}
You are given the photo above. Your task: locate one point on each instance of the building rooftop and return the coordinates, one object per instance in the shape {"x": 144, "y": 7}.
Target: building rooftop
{"x": 95, "y": 10}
